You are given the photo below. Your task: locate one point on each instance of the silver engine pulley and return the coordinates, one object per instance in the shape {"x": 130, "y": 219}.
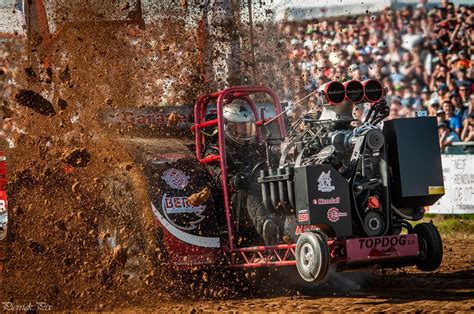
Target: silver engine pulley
{"x": 374, "y": 224}
{"x": 374, "y": 139}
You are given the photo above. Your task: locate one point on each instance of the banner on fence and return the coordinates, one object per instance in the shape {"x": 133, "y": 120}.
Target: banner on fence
{"x": 458, "y": 173}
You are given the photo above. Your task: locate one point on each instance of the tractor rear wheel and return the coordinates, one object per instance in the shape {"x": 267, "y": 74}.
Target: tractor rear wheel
{"x": 431, "y": 247}
{"x": 312, "y": 256}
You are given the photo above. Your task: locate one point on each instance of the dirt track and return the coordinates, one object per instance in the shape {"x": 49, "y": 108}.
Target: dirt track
{"x": 451, "y": 288}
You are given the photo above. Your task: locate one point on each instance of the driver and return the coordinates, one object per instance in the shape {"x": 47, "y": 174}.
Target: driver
{"x": 244, "y": 156}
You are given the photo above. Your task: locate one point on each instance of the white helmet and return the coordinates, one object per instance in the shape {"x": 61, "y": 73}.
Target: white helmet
{"x": 239, "y": 122}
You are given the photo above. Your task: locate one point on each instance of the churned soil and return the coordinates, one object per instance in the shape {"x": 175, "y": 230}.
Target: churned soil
{"x": 80, "y": 227}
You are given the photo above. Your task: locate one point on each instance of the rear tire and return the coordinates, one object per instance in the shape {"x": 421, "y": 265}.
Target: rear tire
{"x": 431, "y": 247}
{"x": 312, "y": 256}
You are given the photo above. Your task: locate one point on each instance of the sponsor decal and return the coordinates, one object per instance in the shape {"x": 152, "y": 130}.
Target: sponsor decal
{"x": 180, "y": 205}
{"x": 384, "y": 242}
{"x": 159, "y": 159}
{"x": 302, "y": 217}
{"x": 363, "y": 249}
{"x": 178, "y": 233}
{"x": 334, "y": 214}
{"x": 301, "y": 229}
{"x": 175, "y": 178}
{"x": 181, "y": 214}
{"x": 327, "y": 201}
{"x": 152, "y": 118}
{"x": 325, "y": 182}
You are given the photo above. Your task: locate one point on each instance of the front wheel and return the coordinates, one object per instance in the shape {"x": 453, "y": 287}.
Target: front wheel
{"x": 431, "y": 247}
{"x": 312, "y": 256}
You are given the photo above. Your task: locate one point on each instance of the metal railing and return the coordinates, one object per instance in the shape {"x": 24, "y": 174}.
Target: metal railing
{"x": 465, "y": 144}
{"x": 468, "y": 147}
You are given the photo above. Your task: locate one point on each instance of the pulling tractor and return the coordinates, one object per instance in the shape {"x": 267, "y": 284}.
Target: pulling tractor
{"x": 343, "y": 195}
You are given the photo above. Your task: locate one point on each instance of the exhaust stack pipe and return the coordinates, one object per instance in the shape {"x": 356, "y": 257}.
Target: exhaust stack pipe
{"x": 373, "y": 91}
{"x": 337, "y": 107}
{"x": 354, "y": 91}
{"x": 334, "y": 92}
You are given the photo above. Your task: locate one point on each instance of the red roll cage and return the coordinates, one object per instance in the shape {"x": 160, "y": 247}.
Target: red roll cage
{"x": 276, "y": 255}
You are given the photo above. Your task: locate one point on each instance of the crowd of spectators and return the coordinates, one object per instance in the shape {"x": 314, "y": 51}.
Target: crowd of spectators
{"x": 423, "y": 54}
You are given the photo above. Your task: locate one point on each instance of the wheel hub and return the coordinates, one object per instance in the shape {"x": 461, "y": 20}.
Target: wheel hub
{"x": 307, "y": 256}
{"x": 374, "y": 224}
{"x": 423, "y": 249}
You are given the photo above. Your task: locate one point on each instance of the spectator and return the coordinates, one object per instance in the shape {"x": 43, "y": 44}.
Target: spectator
{"x": 358, "y": 115}
{"x": 468, "y": 135}
{"x": 467, "y": 119}
{"x": 450, "y": 118}
{"x": 394, "y": 112}
{"x": 464, "y": 93}
{"x": 423, "y": 57}
{"x": 425, "y": 97}
{"x": 469, "y": 108}
{"x": 463, "y": 62}
{"x": 411, "y": 38}
{"x": 461, "y": 79}
{"x": 458, "y": 105}
{"x": 434, "y": 107}
{"x": 440, "y": 116}
{"x": 446, "y": 139}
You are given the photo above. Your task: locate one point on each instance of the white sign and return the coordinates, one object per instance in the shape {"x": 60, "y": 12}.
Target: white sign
{"x": 324, "y": 182}
{"x": 458, "y": 173}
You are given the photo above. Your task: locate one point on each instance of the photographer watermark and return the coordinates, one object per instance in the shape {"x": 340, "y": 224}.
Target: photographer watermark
{"x": 38, "y": 306}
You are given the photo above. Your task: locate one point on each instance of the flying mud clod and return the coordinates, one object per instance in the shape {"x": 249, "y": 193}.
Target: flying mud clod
{"x": 35, "y": 101}
{"x": 173, "y": 119}
{"x": 200, "y": 197}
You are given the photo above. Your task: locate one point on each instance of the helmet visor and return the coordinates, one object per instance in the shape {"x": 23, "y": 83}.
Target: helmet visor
{"x": 241, "y": 131}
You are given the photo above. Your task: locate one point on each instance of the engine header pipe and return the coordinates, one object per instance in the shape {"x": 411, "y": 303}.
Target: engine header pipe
{"x": 354, "y": 91}
{"x": 334, "y": 92}
{"x": 373, "y": 91}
